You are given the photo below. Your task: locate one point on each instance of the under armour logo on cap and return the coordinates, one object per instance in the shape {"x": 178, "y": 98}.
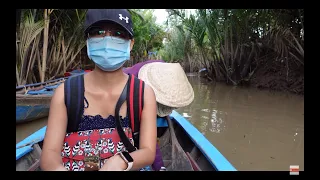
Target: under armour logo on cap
{"x": 122, "y": 18}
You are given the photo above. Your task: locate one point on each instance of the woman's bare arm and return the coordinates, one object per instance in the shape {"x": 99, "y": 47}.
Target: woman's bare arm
{"x": 56, "y": 129}
{"x": 148, "y": 137}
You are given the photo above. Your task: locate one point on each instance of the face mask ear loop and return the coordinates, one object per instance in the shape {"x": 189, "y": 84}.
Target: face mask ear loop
{"x": 129, "y": 49}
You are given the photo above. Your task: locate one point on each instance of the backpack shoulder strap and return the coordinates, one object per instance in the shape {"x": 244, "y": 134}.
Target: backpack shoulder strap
{"x": 135, "y": 101}
{"x": 74, "y": 100}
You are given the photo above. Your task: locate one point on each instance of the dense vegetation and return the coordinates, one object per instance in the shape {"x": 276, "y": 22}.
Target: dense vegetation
{"x": 47, "y": 43}
{"x": 264, "y": 48}
{"x": 51, "y": 41}
{"x": 261, "y": 47}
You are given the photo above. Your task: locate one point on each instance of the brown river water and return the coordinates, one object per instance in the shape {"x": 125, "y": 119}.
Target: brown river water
{"x": 254, "y": 129}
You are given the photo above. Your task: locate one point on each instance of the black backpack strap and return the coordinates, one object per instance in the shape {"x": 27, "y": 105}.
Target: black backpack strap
{"x": 74, "y": 100}
{"x": 135, "y": 105}
{"x": 122, "y": 135}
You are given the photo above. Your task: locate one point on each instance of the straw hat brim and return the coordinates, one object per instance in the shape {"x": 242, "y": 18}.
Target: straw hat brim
{"x": 169, "y": 83}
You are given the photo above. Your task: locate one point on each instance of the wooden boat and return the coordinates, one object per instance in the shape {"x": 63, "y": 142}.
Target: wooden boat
{"x": 182, "y": 146}
{"x": 33, "y": 100}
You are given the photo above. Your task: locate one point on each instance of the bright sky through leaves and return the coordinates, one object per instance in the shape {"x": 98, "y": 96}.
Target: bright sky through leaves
{"x": 162, "y": 14}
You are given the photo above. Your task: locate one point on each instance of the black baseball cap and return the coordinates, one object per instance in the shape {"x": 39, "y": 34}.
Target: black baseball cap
{"x": 118, "y": 16}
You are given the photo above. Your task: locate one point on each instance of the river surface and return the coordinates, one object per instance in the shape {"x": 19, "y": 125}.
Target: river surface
{"x": 254, "y": 129}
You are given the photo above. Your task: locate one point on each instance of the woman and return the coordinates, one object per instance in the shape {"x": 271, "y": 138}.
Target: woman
{"x": 109, "y": 42}
{"x": 169, "y": 82}
{"x": 172, "y": 90}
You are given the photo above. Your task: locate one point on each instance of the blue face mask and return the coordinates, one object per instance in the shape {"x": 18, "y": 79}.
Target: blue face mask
{"x": 108, "y": 53}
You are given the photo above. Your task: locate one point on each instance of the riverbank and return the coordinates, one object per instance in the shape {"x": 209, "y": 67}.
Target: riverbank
{"x": 275, "y": 76}
{"x": 279, "y": 76}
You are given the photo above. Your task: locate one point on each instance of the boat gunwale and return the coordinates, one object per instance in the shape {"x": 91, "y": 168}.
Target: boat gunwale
{"x": 29, "y": 141}
{"x": 212, "y": 154}
{"x": 33, "y": 101}
{"x": 22, "y": 96}
{"x": 39, "y": 84}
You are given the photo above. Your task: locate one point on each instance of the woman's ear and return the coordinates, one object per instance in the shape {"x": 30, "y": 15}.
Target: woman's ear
{"x": 131, "y": 44}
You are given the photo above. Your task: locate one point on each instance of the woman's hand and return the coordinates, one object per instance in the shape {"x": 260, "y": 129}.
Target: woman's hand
{"x": 115, "y": 163}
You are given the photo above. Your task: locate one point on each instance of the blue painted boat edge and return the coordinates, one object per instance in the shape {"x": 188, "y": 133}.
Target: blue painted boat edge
{"x": 162, "y": 122}
{"x": 36, "y": 84}
{"x": 32, "y": 139}
{"x": 23, "y": 151}
{"x": 211, "y": 153}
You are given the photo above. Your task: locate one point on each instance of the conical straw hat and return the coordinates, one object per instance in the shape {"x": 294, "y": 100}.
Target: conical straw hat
{"x": 169, "y": 82}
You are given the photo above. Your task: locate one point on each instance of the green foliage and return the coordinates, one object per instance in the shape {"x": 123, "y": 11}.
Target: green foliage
{"x": 230, "y": 43}
{"x": 148, "y": 35}
{"x": 66, "y": 41}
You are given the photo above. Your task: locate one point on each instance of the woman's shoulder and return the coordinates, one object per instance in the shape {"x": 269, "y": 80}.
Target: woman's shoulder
{"x": 58, "y": 93}
{"x": 149, "y": 93}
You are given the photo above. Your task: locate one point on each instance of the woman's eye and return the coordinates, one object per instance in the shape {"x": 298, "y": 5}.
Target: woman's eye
{"x": 96, "y": 32}
{"x": 120, "y": 34}
{"x": 101, "y": 32}
{"x": 115, "y": 33}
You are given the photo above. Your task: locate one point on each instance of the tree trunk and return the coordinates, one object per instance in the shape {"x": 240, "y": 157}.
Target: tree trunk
{"x": 245, "y": 69}
{"x": 17, "y": 76}
{"x": 189, "y": 61}
{"x": 45, "y": 43}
